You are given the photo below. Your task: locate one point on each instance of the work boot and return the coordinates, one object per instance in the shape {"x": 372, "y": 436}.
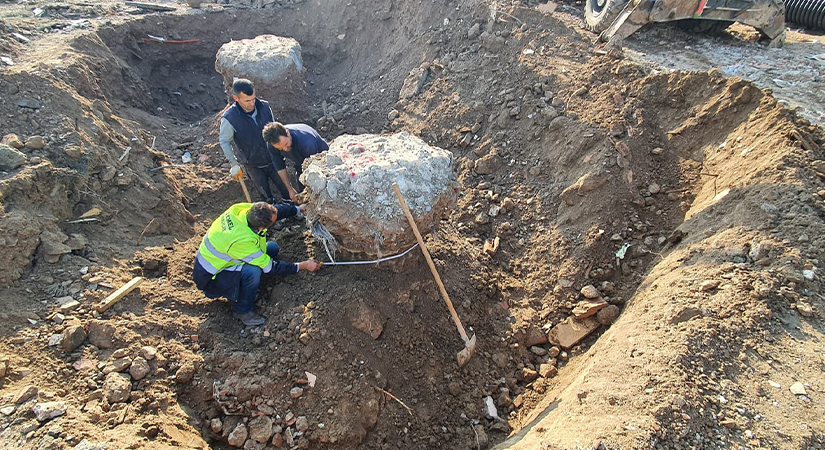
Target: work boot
{"x": 250, "y": 319}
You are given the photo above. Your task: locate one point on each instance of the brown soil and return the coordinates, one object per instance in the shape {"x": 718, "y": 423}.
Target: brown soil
{"x": 712, "y": 182}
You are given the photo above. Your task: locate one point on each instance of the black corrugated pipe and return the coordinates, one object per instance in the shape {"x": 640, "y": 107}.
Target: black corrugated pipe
{"x": 808, "y": 13}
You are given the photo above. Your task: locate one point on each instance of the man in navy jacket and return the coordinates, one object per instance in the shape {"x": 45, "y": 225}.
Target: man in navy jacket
{"x": 243, "y": 123}
{"x": 297, "y": 142}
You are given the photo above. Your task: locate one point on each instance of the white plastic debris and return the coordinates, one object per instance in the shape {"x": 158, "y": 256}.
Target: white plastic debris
{"x": 490, "y": 407}
{"x": 311, "y": 378}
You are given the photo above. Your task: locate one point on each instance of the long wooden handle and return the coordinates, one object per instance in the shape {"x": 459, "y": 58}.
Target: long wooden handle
{"x": 430, "y": 263}
{"x": 245, "y": 191}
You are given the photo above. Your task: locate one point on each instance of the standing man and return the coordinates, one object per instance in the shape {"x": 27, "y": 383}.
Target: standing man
{"x": 234, "y": 254}
{"x": 242, "y": 123}
{"x": 298, "y": 142}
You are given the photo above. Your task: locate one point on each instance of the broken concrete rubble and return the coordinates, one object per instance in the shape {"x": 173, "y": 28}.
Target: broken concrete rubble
{"x": 272, "y": 63}
{"x": 350, "y": 190}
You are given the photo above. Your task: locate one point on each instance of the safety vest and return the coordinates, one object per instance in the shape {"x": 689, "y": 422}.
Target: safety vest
{"x": 230, "y": 243}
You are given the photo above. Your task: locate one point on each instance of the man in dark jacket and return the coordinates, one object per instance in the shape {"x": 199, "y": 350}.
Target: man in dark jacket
{"x": 234, "y": 254}
{"x": 297, "y": 142}
{"x": 242, "y": 123}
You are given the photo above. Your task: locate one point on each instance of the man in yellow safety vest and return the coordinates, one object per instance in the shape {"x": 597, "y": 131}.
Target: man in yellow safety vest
{"x": 234, "y": 254}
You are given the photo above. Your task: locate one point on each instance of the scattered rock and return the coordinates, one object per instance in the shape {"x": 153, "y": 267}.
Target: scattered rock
{"x": 73, "y": 151}
{"x": 534, "y": 336}
{"x": 805, "y": 309}
{"x": 559, "y": 123}
{"x": 481, "y": 439}
{"x": 487, "y": 164}
{"x": 608, "y": 315}
{"x": 538, "y": 351}
{"x": 11, "y": 158}
{"x": 548, "y": 370}
{"x": 685, "y": 314}
{"x": 474, "y": 31}
{"x": 101, "y": 334}
{"x": 73, "y": 337}
{"x": 798, "y": 389}
{"x": 709, "y": 285}
{"x": 148, "y": 352}
{"x": 35, "y": 143}
{"x": 139, "y": 368}
{"x": 260, "y": 428}
{"x": 571, "y": 331}
{"x": 392, "y": 115}
{"x": 528, "y": 374}
{"x": 24, "y": 394}
{"x": 117, "y": 387}
{"x": 654, "y": 188}
{"x": 296, "y": 392}
{"x": 367, "y": 320}
{"x": 500, "y": 359}
{"x": 553, "y": 351}
{"x": 302, "y": 424}
{"x": 185, "y": 373}
{"x": 590, "y": 291}
{"x": 589, "y": 307}
{"x": 216, "y": 425}
{"x": 238, "y": 436}
{"x": 13, "y": 141}
{"x": 49, "y": 410}
{"x": 587, "y": 182}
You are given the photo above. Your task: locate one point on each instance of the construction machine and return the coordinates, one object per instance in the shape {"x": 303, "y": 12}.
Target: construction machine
{"x": 617, "y": 19}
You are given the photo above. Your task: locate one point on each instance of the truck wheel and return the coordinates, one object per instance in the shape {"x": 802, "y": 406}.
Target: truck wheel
{"x": 599, "y": 14}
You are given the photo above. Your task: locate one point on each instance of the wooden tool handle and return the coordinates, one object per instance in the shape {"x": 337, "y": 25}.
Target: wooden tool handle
{"x": 430, "y": 263}
{"x": 245, "y": 191}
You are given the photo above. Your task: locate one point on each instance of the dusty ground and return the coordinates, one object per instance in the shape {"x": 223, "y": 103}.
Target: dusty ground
{"x": 717, "y": 187}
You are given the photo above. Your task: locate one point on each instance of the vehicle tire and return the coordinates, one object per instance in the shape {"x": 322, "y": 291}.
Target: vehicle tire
{"x": 703, "y": 26}
{"x": 808, "y": 13}
{"x": 599, "y": 14}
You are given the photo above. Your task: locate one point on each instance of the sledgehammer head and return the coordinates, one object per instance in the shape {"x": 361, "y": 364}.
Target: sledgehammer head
{"x": 464, "y": 355}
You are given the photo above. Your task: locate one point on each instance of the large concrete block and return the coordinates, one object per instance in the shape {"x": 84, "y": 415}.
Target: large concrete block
{"x": 273, "y": 64}
{"x": 350, "y": 190}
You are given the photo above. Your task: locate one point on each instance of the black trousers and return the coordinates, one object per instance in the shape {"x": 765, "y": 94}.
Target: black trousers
{"x": 261, "y": 177}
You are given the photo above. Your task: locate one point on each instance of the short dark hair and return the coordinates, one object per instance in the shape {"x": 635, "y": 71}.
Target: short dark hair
{"x": 260, "y": 215}
{"x": 243, "y": 85}
{"x": 273, "y": 132}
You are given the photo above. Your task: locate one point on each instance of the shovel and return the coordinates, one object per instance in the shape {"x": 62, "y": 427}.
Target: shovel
{"x": 469, "y": 343}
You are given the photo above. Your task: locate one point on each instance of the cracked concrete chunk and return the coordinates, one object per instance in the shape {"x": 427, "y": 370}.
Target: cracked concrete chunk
{"x": 350, "y": 190}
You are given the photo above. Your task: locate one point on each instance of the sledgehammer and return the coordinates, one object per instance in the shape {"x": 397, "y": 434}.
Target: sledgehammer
{"x": 469, "y": 344}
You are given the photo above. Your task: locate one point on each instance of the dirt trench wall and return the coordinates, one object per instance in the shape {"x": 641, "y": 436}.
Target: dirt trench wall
{"x": 694, "y": 324}
{"x": 90, "y": 157}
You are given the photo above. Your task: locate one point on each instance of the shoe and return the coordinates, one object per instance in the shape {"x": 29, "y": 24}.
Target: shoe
{"x": 250, "y": 319}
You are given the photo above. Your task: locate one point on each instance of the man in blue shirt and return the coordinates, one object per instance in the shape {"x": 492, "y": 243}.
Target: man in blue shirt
{"x": 296, "y": 141}
{"x": 242, "y": 124}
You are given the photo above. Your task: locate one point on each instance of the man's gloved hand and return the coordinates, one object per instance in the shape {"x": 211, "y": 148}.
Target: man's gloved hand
{"x": 236, "y": 172}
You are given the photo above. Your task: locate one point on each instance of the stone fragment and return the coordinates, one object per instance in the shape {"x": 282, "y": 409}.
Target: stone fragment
{"x": 101, "y": 334}
{"x": 534, "y": 336}
{"x": 73, "y": 337}
{"x": 35, "y": 142}
{"x": 52, "y": 246}
{"x": 392, "y": 115}
{"x": 588, "y": 307}
{"x": 608, "y": 315}
{"x": 148, "y": 352}
{"x": 4, "y": 366}
{"x": 48, "y": 410}
{"x": 139, "y": 368}
{"x": 481, "y": 439}
{"x": 685, "y": 314}
{"x": 474, "y": 31}
{"x": 528, "y": 374}
{"x": 587, "y": 182}
{"x": 11, "y": 158}
{"x": 272, "y": 63}
{"x": 414, "y": 83}
{"x": 296, "y": 392}
{"x": 349, "y": 188}
{"x": 73, "y": 151}
{"x": 185, "y": 373}
{"x": 491, "y": 245}
{"x": 553, "y": 352}
{"x": 571, "y": 331}
{"x": 368, "y": 320}
{"x": 798, "y": 389}
{"x": 538, "y": 351}
{"x": 548, "y": 370}
{"x": 590, "y": 291}
{"x": 13, "y": 141}
{"x": 118, "y": 365}
{"x": 24, "y": 394}
{"x": 654, "y": 188}
{"x": 216, "y": 425}
{"x": 238, "y": 436}
{"x": 260, "y": 428}
{"x": 117, "y": 387}
{"x": 709, "y": 285}
{"x": 302, "y": 424}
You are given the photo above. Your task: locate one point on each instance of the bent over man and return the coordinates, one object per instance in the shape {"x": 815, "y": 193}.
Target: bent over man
{"x": 297, "y": 142}
{"x": 234, "y": 255}
{"x": 243, "y": 123}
